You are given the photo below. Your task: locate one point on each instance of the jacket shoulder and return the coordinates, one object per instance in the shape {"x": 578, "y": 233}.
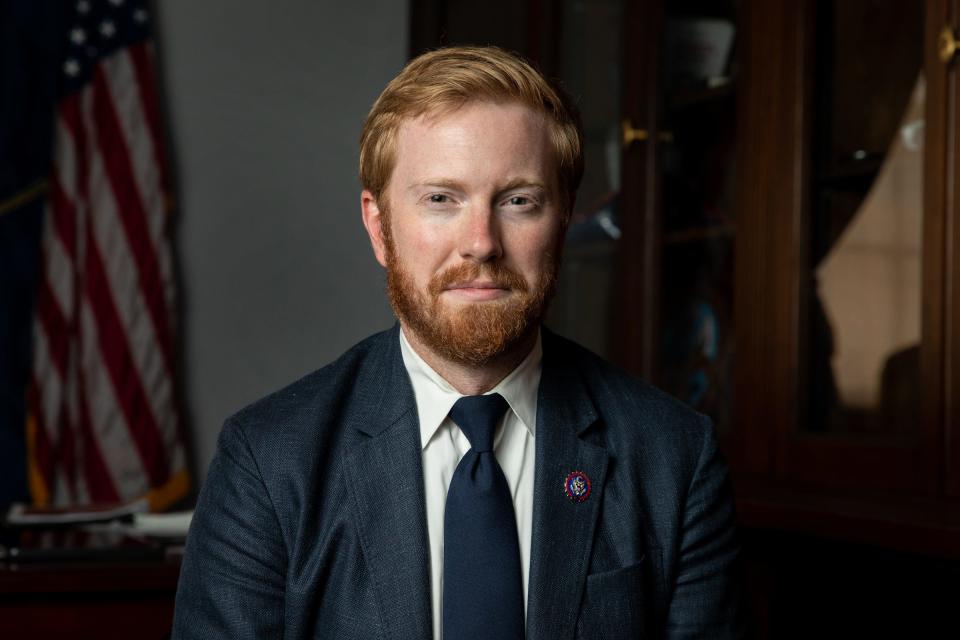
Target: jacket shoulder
{"x": 318, "y": 400}
{"x": 614, "y": 387}
{"x": 634, "y": 414}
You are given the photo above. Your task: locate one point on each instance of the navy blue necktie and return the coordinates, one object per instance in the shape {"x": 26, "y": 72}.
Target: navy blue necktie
{"x": 482, "y": 589}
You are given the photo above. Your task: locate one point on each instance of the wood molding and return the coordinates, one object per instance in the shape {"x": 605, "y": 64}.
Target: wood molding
{"x": 638, "y": 262}
{"x": 901, "y": 522}
{"x": 951, "y": 400}
{"x": 772, "y": 168}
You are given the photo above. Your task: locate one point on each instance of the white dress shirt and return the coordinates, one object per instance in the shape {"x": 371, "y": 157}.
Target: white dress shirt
{"x": 443, "y": 444}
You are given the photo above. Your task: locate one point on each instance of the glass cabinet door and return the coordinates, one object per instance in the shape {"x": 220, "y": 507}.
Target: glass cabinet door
{"x": 590, "y": 66}
{"x": 858, "y": 246}
{"x": 697, "y": 228}
{"x": 687, "y": 206}
{"x": 862, "y": 289}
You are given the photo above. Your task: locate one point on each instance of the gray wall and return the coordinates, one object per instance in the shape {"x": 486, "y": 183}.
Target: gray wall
{"x": 265, "y": 103}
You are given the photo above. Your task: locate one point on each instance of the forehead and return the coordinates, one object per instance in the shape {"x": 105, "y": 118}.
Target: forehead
{"x": 481, "y": 140}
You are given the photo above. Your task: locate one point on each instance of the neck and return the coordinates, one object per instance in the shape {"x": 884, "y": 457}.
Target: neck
{"x": 468, "y": 379}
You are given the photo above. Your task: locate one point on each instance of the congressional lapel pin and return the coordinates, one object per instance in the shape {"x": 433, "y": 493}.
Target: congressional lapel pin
{"x": 577, "y": 486}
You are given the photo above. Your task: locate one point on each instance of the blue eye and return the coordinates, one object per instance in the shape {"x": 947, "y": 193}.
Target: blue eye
{"x": 525, "y": 204}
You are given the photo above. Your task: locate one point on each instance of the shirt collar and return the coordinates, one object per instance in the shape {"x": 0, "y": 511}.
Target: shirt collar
{"x": 435, "y": 396}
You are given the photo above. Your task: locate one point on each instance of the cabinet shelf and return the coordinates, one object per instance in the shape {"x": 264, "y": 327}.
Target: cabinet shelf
{"x": 694, "y": 97}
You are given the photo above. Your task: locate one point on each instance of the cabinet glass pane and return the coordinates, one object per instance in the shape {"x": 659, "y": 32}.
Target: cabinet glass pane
{"x": 698, "y": 216}
{"x": 863, "y": 293}
{"x": 590, "y": 66}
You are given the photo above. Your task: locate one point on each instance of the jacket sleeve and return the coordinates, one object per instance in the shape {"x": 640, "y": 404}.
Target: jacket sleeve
{"x": 233, "y": 572}
{"x": 707, "y": 599}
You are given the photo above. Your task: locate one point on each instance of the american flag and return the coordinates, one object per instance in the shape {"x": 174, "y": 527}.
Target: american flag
{"x": 102, "y": 422}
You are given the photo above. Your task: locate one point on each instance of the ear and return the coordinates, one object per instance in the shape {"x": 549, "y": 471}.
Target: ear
{"x": 373, "y": 221}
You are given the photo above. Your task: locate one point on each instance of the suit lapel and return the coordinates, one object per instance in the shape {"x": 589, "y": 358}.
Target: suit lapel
{"x": 385, "y": 475}
{"x": 563, "y": 530}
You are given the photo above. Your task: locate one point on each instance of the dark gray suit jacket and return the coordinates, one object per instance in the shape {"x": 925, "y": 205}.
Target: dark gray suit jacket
{"x": 311, "y": 523}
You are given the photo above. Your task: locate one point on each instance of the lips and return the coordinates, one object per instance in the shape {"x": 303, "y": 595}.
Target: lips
{"x": 488, "y": 280}
{"x": 477, "y": 291}
{"x": 477, "y": 285}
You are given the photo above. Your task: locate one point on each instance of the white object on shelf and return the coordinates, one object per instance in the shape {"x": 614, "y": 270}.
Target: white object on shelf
{"x": 698, "y": 48}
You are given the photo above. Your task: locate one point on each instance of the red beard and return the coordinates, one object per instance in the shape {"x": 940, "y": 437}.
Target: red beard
{"x": 471, "y": 334}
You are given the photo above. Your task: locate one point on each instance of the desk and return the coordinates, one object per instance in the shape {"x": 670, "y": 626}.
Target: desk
{"x": 101, "y": 600}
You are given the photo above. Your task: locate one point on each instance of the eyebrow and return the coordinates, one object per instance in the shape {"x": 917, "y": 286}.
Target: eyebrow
{"x": 443, "y": 183}
{"x": 517, "y": 183}
{"x": 454, "y": 185}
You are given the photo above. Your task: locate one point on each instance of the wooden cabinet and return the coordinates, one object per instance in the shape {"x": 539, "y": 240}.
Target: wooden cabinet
{"x": 739, "y": 247}
{"x": 863, "y": 474}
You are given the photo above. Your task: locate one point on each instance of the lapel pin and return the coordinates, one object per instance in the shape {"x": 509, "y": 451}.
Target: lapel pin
{"x": 577, "y": 486}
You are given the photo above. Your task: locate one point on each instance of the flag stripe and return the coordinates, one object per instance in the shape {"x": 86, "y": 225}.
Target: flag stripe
{"x": 113, "y": 149}
{"x": 51, "y": 361}
{"x": 67, "y": 452}
{"x": 49, "y": 396}
{"x": 51, "y": 358}
{"x": 72, "y": 421}
{"x": 100, "y": 407}
{"x": 71, "y": 168}
{"x": 54, "y": 327}
{"x": 141, "y": 56}
{"x": 63, "y": 190}
{"x": 134, "y": 94}
{"x": 134, "y": 124}
{"x": 59, "y": 261}
{"x": 111, "y": 242}
{"x": 69, "y": 145}
{"x": 100, "y": 482}
{"x": 119, "y": 364}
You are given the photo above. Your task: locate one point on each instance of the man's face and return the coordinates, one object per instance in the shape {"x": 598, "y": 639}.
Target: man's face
{"x": 470, "y": 228}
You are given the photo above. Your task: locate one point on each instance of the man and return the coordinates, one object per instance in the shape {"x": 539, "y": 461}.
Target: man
{"x": 466, "y": 474}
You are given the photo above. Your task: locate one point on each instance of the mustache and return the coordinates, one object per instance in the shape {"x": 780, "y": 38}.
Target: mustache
{"x": 496, "y": 272}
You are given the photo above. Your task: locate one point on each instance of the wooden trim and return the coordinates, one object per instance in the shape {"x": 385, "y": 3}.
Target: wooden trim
{"x": 771, "y": 196}
{"x": 88, "y": 578}
{"x": 929, "y": 526}
{"x": 951, "y": 403}
{"x": 790, "y": 233}
{"x": 935, "y": 311}
{"x": 749, "y": 443}
{"x": 636, "y": 319}
{"x": 427, "y": 24}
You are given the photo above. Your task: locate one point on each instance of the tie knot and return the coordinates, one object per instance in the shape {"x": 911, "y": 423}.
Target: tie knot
{"x": 477, "y": 417}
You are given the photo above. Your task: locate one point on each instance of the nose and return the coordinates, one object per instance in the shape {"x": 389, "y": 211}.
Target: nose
{"x": 480, "y": 240}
